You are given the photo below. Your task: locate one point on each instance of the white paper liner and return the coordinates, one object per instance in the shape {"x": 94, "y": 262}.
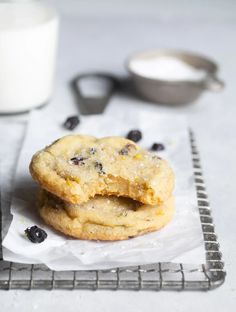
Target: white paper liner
{"x": 180, "y": 241}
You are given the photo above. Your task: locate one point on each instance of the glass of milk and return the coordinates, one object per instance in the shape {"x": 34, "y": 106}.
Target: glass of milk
{"x": 28, "y": 41}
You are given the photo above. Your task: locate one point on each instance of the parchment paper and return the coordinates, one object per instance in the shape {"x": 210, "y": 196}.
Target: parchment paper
{"x": 180, "y": 241}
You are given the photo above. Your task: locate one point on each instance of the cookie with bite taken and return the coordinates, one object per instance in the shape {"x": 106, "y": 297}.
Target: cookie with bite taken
{"x": 76, "y": 168}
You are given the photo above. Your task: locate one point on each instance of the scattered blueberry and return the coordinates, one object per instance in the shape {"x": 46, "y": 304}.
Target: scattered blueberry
{"x": 157, "y": 147}
{"x": 99, "y": 167}
{"x": 78, "y": 160}
{"x": 35, "y": 234}
{"x": 71, "y": 122}
{"x": 134, "y": 135}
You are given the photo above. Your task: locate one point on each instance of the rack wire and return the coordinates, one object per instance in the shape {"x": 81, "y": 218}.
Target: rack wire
{"x": 156, "y": 276}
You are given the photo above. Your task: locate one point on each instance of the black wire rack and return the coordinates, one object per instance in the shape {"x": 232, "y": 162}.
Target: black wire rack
{"x": 156, "y": 276}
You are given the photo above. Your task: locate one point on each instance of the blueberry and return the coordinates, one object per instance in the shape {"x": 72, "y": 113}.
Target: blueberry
{"x": 71, "y": 122}
{"x": 157, "y": 147}
{"x": 126, "y": 149}
{"x": 78, "y": 160}
{"x": 35, "y": 234}
{"x": 92, "y": 150}
{"x": 99, "y": 167}
{"x": 134, "y": 135}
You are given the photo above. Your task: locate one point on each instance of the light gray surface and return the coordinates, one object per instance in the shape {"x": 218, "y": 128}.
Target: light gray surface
{"x": 99, "y": 35}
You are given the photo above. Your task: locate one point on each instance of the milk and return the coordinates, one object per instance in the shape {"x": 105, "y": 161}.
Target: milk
{"x": 28, "y": 40}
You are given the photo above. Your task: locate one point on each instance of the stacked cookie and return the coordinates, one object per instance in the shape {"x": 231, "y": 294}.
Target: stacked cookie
{"x": 102, "y": 189}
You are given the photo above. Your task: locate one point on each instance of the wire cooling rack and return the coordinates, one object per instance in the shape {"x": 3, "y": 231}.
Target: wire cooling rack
{"x": 156, "y": 276}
